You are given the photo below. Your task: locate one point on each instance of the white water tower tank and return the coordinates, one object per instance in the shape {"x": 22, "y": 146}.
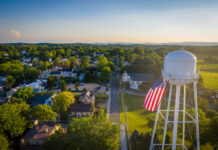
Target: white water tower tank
{"x": 179, "y": 67}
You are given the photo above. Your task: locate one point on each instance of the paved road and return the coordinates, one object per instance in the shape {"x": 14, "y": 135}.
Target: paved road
{"x": 114, "y": 101}
{"x": 123, "y": 138}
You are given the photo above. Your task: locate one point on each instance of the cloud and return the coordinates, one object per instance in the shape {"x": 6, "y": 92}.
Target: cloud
{"x": 15, "y": 33}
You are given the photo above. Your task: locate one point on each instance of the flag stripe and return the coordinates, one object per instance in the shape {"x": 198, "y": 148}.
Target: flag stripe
{"x": 154, "y": 95}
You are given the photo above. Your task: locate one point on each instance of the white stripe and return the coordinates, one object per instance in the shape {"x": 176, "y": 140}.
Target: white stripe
{"x": 152, "y": 99}
{"x": 161, "y": 95}
{"x": 156, "y": 99}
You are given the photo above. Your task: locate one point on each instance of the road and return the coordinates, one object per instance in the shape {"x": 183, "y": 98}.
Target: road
{"x": 114, "y": 112}
{"x": 123, "y": 138}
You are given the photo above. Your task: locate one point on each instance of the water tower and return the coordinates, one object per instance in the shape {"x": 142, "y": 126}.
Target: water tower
{"x": 179, "y": 70}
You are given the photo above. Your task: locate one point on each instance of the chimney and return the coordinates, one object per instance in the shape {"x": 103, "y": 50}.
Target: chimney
{"x": 35, "y": 123}
{"x": 46, "y": 130}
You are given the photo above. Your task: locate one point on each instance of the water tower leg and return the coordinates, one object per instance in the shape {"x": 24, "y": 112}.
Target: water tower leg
{"x": 196, "y": 115}
{"x": 183, "y": 130}
{"x": 176, "y": 115}
{"x": 154, "y": 129}
{"x": 167, "y": 116}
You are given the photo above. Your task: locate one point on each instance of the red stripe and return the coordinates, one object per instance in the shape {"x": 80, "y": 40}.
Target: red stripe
{"x": 147, "y": 95}
{"x": 157, "y": 98}
{"x": 150, "y": 99}
{"x": 160, "y": 97}
{"x": 154, "y": 98}
{"x": 150, "y": 95}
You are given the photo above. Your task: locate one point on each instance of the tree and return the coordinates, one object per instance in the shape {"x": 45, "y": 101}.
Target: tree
{"x": 44, "y": 113}
{"x": 10, "y": 81}
{"x": 62, "y": 101}
{"x": 213, "y": 132}
{"x": 73, "y": 62}
{"x": 106, "y": 73}
{"x": 111, "y": 65}
{"x": 51, "y": 81}
{"x": 31, "y": 73}
{"x": 102, "y": 62}
{"x": 87, "y": 133}
{"x": 84, "y": 63}
{"x": 26, "y": 94}
{"x": 3, "y": 143}
{"x": 14, "y": 118}
{"x": 63, "y": 86}
{"x": 121, "y": 62}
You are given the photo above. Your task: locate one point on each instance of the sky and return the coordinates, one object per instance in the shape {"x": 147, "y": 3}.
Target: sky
{"x": 132, "y": 21}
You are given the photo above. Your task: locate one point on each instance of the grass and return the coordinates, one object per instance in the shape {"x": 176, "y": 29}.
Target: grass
{"x": 210, "y": 80}
{"x": 137, "y": 116}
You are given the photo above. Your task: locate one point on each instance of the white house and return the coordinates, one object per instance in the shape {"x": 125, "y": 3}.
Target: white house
{"x": 37, "y": 86}
{"x": 135, "y": 79}
{"x": 125, "y": 77}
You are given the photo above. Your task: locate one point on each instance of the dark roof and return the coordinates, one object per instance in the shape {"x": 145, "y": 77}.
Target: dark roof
{"x": 57, "y": 72}
{"x": 146, "y": 77}
{"x": 31, "y": 147}
{"x": 39, "y": 99}
{"x": 39, "y": 132}
{"x": 66, "y": 69}
{"x": 80, "y": 107}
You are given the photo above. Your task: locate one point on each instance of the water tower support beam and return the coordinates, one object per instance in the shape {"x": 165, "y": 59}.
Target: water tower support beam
{"x": 196, "y": 115}
{"x": 167, "y": 116}
{"x": 176, "y": 115}
{"x": 154, "y": 129}
{"x": 183, "y": 130}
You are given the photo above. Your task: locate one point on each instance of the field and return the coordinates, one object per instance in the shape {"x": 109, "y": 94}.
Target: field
{"x": 210, "y": 80}
{"x": 137, "y": 116}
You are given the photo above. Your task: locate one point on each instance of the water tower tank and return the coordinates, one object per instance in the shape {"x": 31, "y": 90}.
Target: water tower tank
{"x": 180, "y": 67}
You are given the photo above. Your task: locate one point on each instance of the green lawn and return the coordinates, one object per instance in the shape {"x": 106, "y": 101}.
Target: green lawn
{"x": 137, "y": 116}
{"x": 210, "y": 80}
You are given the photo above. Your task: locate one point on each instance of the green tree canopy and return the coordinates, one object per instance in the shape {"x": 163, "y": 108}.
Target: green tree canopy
{"x": 3, "y": 143}
{"x": 102, "y": 62}
{"x": 73, "y": 62}
{"x": 13, "y": 118}
{"x": 84, "y": 63}
{"x": 26, "y": 94}
{"x": 51, "y": 81}
{"x": 31, "y": 73}
{"x": 62, "y": 101}
{"x": 88, "y": 133}
{"x": 63, "y": 85}
{"x": 10, "y": 81}
{"x": 43, "y": 113}
{"x": 106, "y": 73}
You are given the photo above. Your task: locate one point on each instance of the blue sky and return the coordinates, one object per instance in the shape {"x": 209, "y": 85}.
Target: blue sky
{"x": 137, "y": 21}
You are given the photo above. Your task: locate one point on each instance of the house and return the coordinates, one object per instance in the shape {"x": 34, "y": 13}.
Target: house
{"x": 37, "y": 135}
{"x": 81, "y": 76}
{"x": 44, "y": 74}
{"x": 87, "y": 98}
{"x": 1, "y": 89}
{"x": 56, "y": 74}
{"x": 11, "y": 92}
{"x": 36, "y": 58}
{"x": 2, "y": 80}
{"x": 63, "y": 59}
{"x": 37, "y": 86}
{"x": 135, "y": 79}
{"x": 50, "y": 99}
{"x": 80, "y": 110}
{"x": 26, "y": 60}
{"x": 98, "y": 54}
{"x": 125, "y": 77}
{"x": 40, "y": 100}
{"x": 6, "y": 55}
{"x": 23, "y": 52}
{"x": 67, "y": 72}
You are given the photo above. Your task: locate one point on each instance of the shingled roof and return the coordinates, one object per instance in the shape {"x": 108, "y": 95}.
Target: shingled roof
{"x": 40, "y": 132}
{"x": 80, "y": 107}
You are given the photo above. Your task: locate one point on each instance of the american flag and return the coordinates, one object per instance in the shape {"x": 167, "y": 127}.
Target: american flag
{"x": 155, "y": 95}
